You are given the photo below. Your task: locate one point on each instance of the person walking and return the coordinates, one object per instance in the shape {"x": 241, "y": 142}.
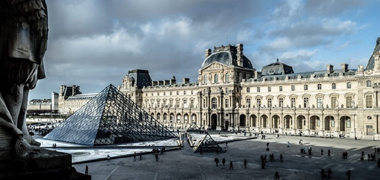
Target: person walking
{"x": 321, "y": 152}
{"x": 328, "y": 152}
{"x": 323, "y": 175}
{"x": 156, "y": 155}
{"x": 245, "y": 163}
{"x": 348, "y": 174}
{"x": 276, "y": 176}
{"x": 223, "y": 161}
{"x": 216, "y": 162}
{"x": 288, "y": 144}
{"x": 329, "y": 173}
{"x": 134, "y": 156}
{"x": 140, "y": 156}
{"x": 231, "y": 166}
{"x": 281, "y": 157}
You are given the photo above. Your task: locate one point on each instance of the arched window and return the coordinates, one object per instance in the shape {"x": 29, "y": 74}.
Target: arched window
{"x": 213, "y": 103}
{"x": 227, "y": 80}
{"x": 349, "y": 85}
{"x": 205, "y": 79}
{"x": 368, "y": 83}
{"x": 216, "y": 78}
{"x": 178, "y": 118}
{"x": 158, "y": 116}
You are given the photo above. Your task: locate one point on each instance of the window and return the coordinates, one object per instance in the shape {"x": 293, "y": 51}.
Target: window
{"x": 305, "y": 87}
{"x": 258, "y": 102}
{"x": 348, "y": 123}
{"x": 368, "y": 83}
{"x": 227, "y": 80}
{"x": 226, "y": 101}
{"x": 280, "y": 88}
{"x": 368, "y": 101}
{"x": 249, "y": 103}
{"x": 178, "y": 118}
{"x": 164, "y": 93}
{"x": 185, "y": 103}
{"x": 258, "y": 89}
{"x": 177, "y": 92}
{"x": 319, "y": 86}
{"x": 333, "y": 102}
{"x": 192, "y": 103}
{"x": 177, "y": 103}
{"x": 248, "y": 90}
{"x": 333, "y": 86}
{"x": 158, "y": 116}
{"x": 213, "y": 103}
{"x": 216, "y": 78}
{"x": 205, "y": 79}
{"x": 349, "y": 102}
{"x": 332, "y": 123}
{"x": 171, "y": 117}
{"x": 305, "y": 102}
{"x": 269, "y": 89}
{"x": 281, "y": 102}
{"x": 319, "y": 102}
{"x": 191, "y": 91}
{"x": 348, "y": 85}
{"x": 204, "y": 103}
{"x": 170, "y": 93}
{"x": 269, "y": 102}
{"x": 184, "y": 92}
{"x": 293, "y": 88}
{"x": 292, "y": 102}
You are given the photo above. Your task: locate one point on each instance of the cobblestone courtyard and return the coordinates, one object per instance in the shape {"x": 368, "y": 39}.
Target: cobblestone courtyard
{"x": 184, "y": 164}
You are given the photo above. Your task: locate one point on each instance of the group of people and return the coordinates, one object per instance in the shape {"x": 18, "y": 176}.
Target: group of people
{"x": 216, "y": 160}
{"x": 345, "y": 155}
{"x": 324, "y": 175}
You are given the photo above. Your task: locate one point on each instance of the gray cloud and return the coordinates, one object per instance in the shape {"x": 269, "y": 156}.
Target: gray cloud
{"x": 93, "y": 43}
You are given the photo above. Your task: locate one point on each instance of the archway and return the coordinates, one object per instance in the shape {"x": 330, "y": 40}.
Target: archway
{"x": 276, "y": 120}
{"x": 253, "y": 120}
{"x": 313, "y": 122}
{"x": 214, "y": 119}
{"x": 242, "y": 120}
{"x": 194, "y": 119}
{"x": 226, "y": 124}
{"x": 300, "y": 122}
{"x": 264, "y": 120}
{"x": 288, "y": 120}
{"x": 345, "y": 121}
{"x": 329, "y": 122}
{"x": 158, "y": 117}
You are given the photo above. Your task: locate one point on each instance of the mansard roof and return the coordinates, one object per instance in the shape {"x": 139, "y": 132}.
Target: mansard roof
{"x": 371, "y": 61}
{"x": 277, "y": 68}
{"x": 226, "y": 55}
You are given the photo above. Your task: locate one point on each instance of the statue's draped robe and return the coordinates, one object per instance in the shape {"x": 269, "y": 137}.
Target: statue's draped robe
{"x": 23, "y": 44}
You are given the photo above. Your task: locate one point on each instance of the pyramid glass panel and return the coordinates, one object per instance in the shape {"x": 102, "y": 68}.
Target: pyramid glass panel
{"x": 109, "y": 118}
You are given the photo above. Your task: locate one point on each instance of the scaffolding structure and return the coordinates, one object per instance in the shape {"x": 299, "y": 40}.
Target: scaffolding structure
{"x": 110, "y": 118}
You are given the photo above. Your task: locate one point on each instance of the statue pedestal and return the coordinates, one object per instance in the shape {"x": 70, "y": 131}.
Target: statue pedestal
{"x": 44, "y": 164}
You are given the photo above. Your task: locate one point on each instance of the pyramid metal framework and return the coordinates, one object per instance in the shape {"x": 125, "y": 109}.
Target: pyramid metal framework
{"x": 109, "y": 118}
{"x": 207, "y": 144}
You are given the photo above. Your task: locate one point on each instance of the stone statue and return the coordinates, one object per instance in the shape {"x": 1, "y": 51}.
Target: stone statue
{"x": 23, "y": 42}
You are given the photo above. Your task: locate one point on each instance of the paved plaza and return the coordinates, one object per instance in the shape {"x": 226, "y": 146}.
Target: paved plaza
{"x": 184, "y": 164}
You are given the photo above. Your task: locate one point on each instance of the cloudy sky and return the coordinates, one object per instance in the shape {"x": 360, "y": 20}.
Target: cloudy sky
{"x": 93, "y": 43}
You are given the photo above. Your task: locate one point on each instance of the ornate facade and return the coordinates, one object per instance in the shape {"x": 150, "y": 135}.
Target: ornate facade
{"x": 232, "y": 95}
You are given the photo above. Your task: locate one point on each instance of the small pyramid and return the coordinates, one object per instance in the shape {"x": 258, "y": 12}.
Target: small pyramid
{"x": 207, "y": 144}
{"x": 109, "y": 118}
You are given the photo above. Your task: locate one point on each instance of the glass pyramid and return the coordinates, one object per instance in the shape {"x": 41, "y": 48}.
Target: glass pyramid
{"x": 109, "y": 118}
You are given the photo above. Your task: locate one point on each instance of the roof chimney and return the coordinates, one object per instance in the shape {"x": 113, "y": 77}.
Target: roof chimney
{"x": 239, "y": 55}
{"x": 208, "y": 52}
{"x": 330, "y": 68}
{"x": 344, "y": 67}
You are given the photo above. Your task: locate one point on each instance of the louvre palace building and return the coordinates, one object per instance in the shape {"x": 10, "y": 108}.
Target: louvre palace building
{"x": 231, "y": 94}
